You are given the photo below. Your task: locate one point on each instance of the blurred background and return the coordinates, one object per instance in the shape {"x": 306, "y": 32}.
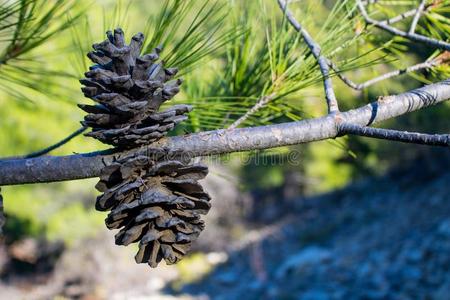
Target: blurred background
{"x": 351, "y": 218}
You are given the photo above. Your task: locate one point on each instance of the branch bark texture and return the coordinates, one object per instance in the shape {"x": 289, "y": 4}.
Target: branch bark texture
{"x": 49, "y": 169}
{"x": 442, "y": 140}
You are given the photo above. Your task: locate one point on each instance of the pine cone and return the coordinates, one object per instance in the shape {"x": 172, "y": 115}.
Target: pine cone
{"x": 157, "y": 203}
{"x": 2, "y": 216}
{"x": 129, "y": 90}
{"x": 152, "y": 200}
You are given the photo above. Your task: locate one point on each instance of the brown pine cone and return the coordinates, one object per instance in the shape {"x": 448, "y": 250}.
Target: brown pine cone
{"x": 155, "y": 203}
{"x": 129, "y": 90}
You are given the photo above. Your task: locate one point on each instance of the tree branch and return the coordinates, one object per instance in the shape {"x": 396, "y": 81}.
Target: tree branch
{"x": 360, "y": 86}
{"x": 54, "y": 146}
{"x": 261, "y": 103}
{"x": 411, "y": 36}
{"x": 417, "y": 16}
{"x": 48, "y": 169}
{"x": 316, "y": 51}
{"x": 425, "y": 65}
{"x": 396, "y": 135}
{"x": 400, "y": 17}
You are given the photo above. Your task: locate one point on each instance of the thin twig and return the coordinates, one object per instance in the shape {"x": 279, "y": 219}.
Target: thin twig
{"x": 400, "y": 17}
{"x": 316, "y": 51}
{"x": 411, "y": 36}
{"x": 393, "y": 20}
{"x": 262, "y": 102}
{"x": 52, "y": 147}
{"x": 417, "y": 16}
{"x": 360, "y": 86}
{"x": 406, "y": 15}
{"x": 58, "y": 144}
{"x": 425, "y": 65}
{"x": 395, "y": 135}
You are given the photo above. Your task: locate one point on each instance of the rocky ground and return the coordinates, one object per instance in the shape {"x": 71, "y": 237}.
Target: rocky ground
{"x": 383, "y": 238}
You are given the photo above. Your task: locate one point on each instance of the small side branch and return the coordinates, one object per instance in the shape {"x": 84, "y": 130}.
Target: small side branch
{"x": 395, "y": 135}
{"x": 416, "y": 13}
{"x": 411, "y": 36}
{"x": 360, "y": 86}
{"x": 417, "y": 16}
{"x": 52, "y": 147}
{"x": 58, "y": 144}
{"x": 316, "y": 51}
{"x": 261, "y": 103}
{"x": 400, "y": 17}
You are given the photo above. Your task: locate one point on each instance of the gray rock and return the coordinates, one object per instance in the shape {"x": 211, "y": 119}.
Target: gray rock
{"x": 309, "y": 256}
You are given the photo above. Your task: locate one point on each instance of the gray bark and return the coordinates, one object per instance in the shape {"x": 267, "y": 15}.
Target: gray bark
{"x": 442, "y": 140}
{"x": 49, "y": 169}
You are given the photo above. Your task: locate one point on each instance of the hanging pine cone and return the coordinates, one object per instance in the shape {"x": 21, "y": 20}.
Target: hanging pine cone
{"x": 152, "y": 200}
{"x": 155, "y": 203}
{"x": 2, "y": 215}
{"x": 129, "y": 90}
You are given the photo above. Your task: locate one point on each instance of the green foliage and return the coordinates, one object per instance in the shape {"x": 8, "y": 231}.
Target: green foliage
{"x": 323, "y": 169}
{"x": 55, "y": 211}
{"x": 270, "y": 59}
{"x": 187, "y": 31}
{"x": 192, "y": 269}
{"x": 400, "y": 52}
{"x": 73, "y": 223}
{"x": 186, "y": 41}
{"x": 26, "y": 25}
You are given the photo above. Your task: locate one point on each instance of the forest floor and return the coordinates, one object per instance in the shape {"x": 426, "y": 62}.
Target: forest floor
{"x": 380, "y": 238}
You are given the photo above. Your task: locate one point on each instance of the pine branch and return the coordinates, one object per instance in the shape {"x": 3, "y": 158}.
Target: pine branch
{"x": 261, "y": 103}
{"x": 416, "y": 18}
{"x": 58, "y": 144}
{"x": 411, "y": 36}
{"x": 330, "y": 96}
{"x": 52, "y": 147}
{"x": 48, "y": 169}
{"x": 400, "y": 17}
{"x": 360, "y": 86}
{"x": 407, "y": 14}
{"x": 421, "y": 66}
{"x": 396, "y": 135}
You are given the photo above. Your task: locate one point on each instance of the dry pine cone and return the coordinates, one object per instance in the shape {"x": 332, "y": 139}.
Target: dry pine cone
{"x": 155, "y": 203}
{"x": 129, "y": 90}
